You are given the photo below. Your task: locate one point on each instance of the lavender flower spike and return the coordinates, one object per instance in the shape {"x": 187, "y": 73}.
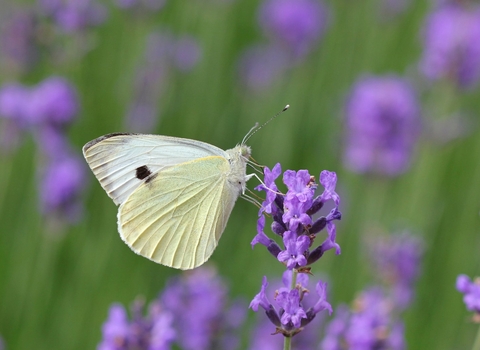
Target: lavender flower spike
{"x": 292, "y": 215}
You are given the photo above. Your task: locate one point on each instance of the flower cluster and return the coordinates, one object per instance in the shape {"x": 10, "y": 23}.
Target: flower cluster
{"x": 46, "y": 110}
{"x": 471, "y": 294}
{"x": 451, "y": 45}
{"x": 164, "y": 53}
{"x": 293, "y": 220}
{"x": 383, "y": 125}
{"x": 192, "y": 312}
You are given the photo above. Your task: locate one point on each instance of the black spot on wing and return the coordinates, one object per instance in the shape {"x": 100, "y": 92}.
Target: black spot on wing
{"x": 151, "y": 177}
{"x": 142, "y": 172}
{"x": 104, "y": 137}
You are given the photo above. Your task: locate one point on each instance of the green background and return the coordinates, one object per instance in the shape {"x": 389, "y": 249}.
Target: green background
{"x": 56, "y": 287}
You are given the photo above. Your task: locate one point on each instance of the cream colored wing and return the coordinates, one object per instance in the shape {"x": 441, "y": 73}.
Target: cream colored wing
{"x": 177, "y": 217}
{"x": 122, "y": 162}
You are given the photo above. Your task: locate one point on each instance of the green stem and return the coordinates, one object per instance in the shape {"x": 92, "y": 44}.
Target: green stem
{"x": 287, "y": 341}
{"x": 476, "y": 344}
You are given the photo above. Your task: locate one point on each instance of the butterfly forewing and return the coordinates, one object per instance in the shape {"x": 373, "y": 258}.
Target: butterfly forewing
{"x": 121, "y": 162}
{"x": 177, "y": 218}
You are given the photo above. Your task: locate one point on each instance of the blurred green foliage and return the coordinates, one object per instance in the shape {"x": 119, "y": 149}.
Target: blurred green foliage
{"x": 56, "y": 287}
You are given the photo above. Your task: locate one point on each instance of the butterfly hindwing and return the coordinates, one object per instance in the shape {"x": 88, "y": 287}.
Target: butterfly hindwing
{"x": 177, "y": 217}
{"x": 122, "y": 162}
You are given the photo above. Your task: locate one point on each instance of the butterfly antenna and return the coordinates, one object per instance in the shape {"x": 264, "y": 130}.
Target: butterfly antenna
{"x": 256, "y": 127}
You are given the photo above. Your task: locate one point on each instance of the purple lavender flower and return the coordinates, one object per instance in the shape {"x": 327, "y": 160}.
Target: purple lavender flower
{"x": 259, "y": 66}
{"x": 153, "y": 332}
{"x": 74, "y": 15}
{"x": 471, "y": 294}
{"x": 116, "y": 329}
{"x": 451, "y": 45}
{"x": 292, "y": 214}
{"x": 383, "y": 125}
{"x": 53, "y": 101}
{"x": 186, "y": 53}
{"x": 335, "y": 330}
{"x": 14, "y": 99}
{"x": 293, "y": 312}
{"x": 198, "y": 303}
{"x": 295, "y": 248}
{"x": 371, "y": 324}
{"x": 45, "y": 110}
{"x": 263, "y": 333}
{"x": 397, "y": 261}
{"x": 296, "y": 25}
{"x": 62, "y": 182}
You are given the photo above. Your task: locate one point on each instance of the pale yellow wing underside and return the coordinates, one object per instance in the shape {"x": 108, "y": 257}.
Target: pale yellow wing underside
{"x": 177, "y": 217}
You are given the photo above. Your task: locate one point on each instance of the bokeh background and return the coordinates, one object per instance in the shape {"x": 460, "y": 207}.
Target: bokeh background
{"x": 209, "y": 70}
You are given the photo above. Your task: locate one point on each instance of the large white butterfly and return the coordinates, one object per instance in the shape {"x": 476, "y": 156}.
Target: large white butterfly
{"x": 175, "y": 195}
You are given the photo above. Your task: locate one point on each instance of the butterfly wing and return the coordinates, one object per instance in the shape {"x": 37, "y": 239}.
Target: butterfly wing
{"x": 177, "y": 217}
{"x": 122, "y": 162}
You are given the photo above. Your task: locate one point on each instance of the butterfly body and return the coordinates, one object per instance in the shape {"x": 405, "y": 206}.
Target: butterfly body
{"x": 175, "y": 195}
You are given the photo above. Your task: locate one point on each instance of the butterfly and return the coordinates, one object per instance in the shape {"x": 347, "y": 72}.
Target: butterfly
{"x": 175, "y": 195}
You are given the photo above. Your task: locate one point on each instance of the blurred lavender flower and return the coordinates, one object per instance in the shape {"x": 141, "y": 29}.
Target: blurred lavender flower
{"x": 471, "y": 294}
{"x": 74, "y": 15}
{"x": 54, "y": 101}
{"x": 397, "y": 261}
{"x": 202, "y": 317}
{"x": 45, "y": 111}
{"x": 370, "y": 325}
{"x": 259, "y": 66}
{"x": 164, "y": 51}
{"x": 62, "y": 182}
{"x": 451, "y": 44}
{"x": 292, "y": 214}
{"x": 296, "y": 25}
{"x": 19, "y": 40}
{"x": 152, "y": 332}
{"x": 383, "y": 125}
{"x": 14, "y": 100}
{"x": 186, "y": 53}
